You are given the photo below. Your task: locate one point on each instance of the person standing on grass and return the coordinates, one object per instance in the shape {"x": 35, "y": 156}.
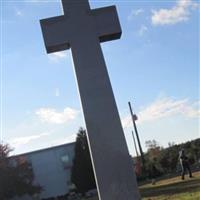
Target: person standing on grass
{"x": 184, "y": 164}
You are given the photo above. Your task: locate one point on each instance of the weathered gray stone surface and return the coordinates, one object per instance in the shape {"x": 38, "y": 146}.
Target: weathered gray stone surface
{"x": 82, "y": 30}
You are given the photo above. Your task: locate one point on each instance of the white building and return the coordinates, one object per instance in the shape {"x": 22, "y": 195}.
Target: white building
{"x": 52, "y": 170}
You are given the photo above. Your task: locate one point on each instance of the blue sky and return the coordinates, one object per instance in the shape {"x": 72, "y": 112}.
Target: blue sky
{"x": 155, "y": 65}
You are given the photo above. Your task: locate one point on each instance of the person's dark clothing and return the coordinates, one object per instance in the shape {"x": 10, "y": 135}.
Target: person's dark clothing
{"x": 184, "y": 165}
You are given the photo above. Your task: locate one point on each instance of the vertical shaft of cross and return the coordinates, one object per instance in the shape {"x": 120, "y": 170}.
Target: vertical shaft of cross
{"x": 105, "y": 135}
{"x": 83, "y": 29}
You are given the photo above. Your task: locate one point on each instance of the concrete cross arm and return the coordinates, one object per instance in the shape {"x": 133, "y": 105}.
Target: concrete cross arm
{"x": 107, "y": 23}
{"x": 55, "y": 36}
{"x": 59, "y": 31}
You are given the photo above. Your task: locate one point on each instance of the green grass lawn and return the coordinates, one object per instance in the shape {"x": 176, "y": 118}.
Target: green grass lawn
{"x": 172, "y": 189}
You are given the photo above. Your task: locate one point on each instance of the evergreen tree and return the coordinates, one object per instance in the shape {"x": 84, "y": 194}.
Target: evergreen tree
{"x": 82, "y": 171}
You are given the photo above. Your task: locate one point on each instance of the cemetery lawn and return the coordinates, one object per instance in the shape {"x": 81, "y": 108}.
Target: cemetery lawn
{"x": 173, "y": 189}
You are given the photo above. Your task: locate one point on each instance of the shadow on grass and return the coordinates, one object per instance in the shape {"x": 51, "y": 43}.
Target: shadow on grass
{"x": 174, "y": 188}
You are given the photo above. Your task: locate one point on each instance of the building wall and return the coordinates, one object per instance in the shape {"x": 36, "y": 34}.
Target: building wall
{"x": 52, "y": 169}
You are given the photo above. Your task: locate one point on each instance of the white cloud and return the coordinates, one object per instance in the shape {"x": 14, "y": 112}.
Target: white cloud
{"x": 64, "y": 140}
{"x": 142, "y": 30}
{"x": 33, "y": 1}
{"x": 127, "y": 122}
{"x": 57, "y": 56}
{"x": 179, "y": 13}
{"x": 16, "y": 142}
{"x": 50, "y": 115}
{"x": 36, "y": 1}
{"x": 135, "y": 13}
{"x": 57, "y": 92}
{"x": 165, "y": 107}
{"x": 18, "y": 13}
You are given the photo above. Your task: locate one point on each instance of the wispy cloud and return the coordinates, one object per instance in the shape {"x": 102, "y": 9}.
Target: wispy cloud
{"x": 38, "y": 1}
{"x": 64, "y": 140}
{"x": 51, "y": 115}
{"x": 57, "y": 56}
{"x": 143, "y": 29}
{"x": 165, "y": 107}
{"x": 179, "y": 13}
{"x": 135, "y": 13}
{"x": 16, "y": 142}
{"x": 18, "y": 13}
{"x": 126, "y": 122}
{"x": 57, "y": 92}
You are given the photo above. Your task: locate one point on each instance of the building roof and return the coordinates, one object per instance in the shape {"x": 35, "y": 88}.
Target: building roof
{"x": 41, "y": 150}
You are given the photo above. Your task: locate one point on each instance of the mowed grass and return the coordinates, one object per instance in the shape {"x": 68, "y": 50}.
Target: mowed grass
{"x": 173, "y": 189}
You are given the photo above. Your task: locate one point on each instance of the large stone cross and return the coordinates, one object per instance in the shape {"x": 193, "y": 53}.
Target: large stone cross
{"x": 82, "y": 30}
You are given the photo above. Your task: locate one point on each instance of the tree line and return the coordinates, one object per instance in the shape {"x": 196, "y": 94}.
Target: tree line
{"x": 17, "y": 177}
{"x": 159, "y": 161}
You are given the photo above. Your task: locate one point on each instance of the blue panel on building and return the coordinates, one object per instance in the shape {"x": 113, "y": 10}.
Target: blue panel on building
{"x": 52, "y": 169}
